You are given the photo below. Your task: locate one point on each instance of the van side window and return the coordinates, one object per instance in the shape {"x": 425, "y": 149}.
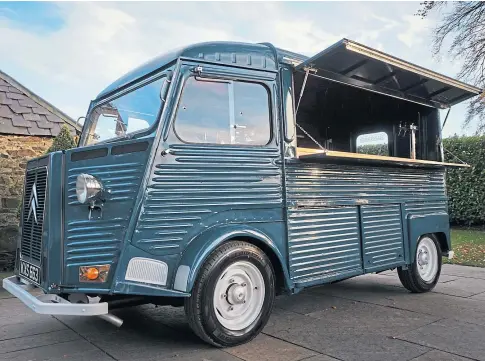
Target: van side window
{"x": 373, "y": 143}
{"x": 223, "y": 112}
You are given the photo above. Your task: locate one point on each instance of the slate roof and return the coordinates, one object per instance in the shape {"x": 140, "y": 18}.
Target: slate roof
{"x": 24, "y": 113}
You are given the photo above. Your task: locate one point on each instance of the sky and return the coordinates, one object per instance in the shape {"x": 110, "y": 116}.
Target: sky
{"x": 68, "y": 52}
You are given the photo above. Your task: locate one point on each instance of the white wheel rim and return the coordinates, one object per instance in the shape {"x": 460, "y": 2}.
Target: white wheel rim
{"x": 427, "y": 260}
{"x": 239, "y": 295}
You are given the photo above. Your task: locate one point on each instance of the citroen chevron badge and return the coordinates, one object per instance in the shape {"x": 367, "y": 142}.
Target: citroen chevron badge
{"x": 33, "y": 202}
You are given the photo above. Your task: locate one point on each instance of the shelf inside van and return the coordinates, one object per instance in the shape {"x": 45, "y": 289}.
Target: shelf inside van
{"x": 319, "y": 155}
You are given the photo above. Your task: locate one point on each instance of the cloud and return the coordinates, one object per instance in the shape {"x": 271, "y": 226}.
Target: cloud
{"x": 416, "y": 28}
{"x": 100, "y": 41}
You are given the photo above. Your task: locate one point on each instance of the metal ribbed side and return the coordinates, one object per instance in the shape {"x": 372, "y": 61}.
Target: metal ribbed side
{"x": 378, "y": 193}
{"x": 197, "y": 182}
{"x": 323, "y": 241}
{"x": 98, "y": 240}
{"x": 382, "y": 235}
{"x": 337, "y": 183}
{"x": 424, "y": 208}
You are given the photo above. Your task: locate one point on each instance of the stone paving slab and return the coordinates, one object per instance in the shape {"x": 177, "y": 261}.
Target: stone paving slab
{"x": 280, "y": 350}
{"x": 72, "y": 351}
{"x": 441, "y": 356}
{"x": 456, "y": 337}
{"x": 371, "y": 317}
{"x": 463, "y": 271}
{"x": 479, "y": 297}
{"x": 34, "y": 341}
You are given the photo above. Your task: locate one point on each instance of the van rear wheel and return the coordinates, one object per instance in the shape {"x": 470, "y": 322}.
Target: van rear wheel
{"x": 233, "y": 295}
{"x": 423, "y": 274}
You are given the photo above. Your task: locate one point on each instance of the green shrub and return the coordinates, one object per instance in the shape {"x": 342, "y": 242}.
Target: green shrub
{"x": 63, "y": 141}
{"x": 466, "y": 186}
{"x": 374, "y": 149}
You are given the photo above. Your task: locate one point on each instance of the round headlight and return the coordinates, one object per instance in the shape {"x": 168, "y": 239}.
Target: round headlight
{"x": 87, "y": 187}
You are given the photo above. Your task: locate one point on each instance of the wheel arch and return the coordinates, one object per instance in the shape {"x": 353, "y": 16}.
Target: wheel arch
{"x": 200, "y": 248}
{"x": 443, "y": 241}
{"x": 433, "y": 224}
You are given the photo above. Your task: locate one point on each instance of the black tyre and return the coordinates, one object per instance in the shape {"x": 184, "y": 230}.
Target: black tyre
{"x": 233, "y": 295}
{"x": 423, "y": 274}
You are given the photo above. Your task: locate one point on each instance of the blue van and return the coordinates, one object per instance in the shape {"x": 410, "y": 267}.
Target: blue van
{"x": 222, "y": 174}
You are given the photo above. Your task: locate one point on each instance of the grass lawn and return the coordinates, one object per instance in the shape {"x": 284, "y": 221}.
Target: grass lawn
{"x": 469, "y": 246}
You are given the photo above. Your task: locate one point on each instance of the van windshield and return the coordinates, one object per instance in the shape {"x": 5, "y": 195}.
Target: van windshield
{"x": 129, "y": 113}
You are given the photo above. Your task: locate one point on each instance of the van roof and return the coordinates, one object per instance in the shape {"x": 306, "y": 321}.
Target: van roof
{"x": 346, "y": 62}
{"x": 250, "y": 55}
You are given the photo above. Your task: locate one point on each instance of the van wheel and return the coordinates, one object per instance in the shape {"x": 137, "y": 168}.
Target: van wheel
{"x": 233, "y": 295}
{"x": 424, "y": 273}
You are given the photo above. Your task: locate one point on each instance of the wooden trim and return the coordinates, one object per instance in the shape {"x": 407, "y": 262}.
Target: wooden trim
{"x": 337, "y": 154}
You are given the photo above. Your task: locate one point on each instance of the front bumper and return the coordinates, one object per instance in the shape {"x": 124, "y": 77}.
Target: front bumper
{"x": 49, "y": 304}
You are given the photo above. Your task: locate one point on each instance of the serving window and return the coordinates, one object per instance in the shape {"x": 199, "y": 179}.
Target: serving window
{"x": 338, "y": 117}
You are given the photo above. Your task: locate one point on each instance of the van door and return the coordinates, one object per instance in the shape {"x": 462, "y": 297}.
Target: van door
{"x": 218, "y": 161}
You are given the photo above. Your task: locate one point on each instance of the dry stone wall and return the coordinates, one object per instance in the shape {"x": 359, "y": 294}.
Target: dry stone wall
{"x": 15, "y": 151}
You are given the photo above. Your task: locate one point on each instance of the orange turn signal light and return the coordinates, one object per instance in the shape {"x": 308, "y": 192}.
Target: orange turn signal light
{"x": 93, "y": 273}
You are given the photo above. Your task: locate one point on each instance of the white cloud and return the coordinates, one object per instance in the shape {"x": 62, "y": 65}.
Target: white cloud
{"x": 416, "y": 27}
{"x": 101, "y": 41}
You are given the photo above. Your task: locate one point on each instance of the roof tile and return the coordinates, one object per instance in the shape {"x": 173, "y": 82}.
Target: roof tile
{"x": 44, "y": 124}
{"x": 39, "y": 110}
{"x": 19, "y": 121}
{"x": 5, "y": 112}
{"x": 16, "y": 108}
{"x": 23, "y": 112}
{"x": 32, "y": 116}
{"x": 4, "y": 99}
{"x": 35, "y": 130}
{"x": 13, "y": 89}
{"x": 7, "y": 127}
{"x": 54, "y": 118}
{"x": 28, "y": 103}
{"x": 56, "y": 129}
{"x": 15, "y": 95}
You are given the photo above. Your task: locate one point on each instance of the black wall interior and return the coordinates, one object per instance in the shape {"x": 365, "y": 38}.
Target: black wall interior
{"x": 330, "y": 110}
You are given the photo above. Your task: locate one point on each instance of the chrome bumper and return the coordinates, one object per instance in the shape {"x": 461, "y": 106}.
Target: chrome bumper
{"x": 49, "y": 304}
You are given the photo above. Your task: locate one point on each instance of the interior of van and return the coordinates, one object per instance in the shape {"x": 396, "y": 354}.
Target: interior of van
{"x": 355, "y": 102}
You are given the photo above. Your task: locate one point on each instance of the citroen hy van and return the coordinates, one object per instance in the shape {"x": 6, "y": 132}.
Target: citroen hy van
{"x": 222, "y": 174}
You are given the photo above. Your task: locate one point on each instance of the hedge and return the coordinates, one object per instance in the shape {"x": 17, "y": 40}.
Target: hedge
{"x": 466, "y": 186}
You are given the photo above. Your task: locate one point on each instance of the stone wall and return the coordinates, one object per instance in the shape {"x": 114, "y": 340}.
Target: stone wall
{"x": 15, "y": 151}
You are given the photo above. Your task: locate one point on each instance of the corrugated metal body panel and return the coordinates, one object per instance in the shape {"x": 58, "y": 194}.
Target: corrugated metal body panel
{"x": 375, "y": 194}
{"x": 323, "y": 241}
{"x": 382, "y": 235}
{"x": 425, "y": 208}
{"x": 194, "y": 183}
{"x": 98, "y": 240}
{"x": 336, "y": 184}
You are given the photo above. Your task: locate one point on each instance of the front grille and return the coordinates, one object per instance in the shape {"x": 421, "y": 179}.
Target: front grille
{"x": 33, "y": 214}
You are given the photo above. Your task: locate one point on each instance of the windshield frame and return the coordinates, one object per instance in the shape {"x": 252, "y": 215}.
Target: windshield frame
{"x": 88, "y": 124}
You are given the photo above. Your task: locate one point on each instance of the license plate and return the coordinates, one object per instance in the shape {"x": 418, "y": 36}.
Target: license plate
{"x": 30, "y": 272}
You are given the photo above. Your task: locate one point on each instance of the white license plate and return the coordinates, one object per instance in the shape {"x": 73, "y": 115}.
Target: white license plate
{"x": 30, "y": 272}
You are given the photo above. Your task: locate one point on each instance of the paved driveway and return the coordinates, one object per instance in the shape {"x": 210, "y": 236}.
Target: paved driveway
{"x": 366, "y": 318}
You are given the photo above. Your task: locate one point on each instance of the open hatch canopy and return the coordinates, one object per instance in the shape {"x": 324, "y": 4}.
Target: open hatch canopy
{"x": 357, "y": 65}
